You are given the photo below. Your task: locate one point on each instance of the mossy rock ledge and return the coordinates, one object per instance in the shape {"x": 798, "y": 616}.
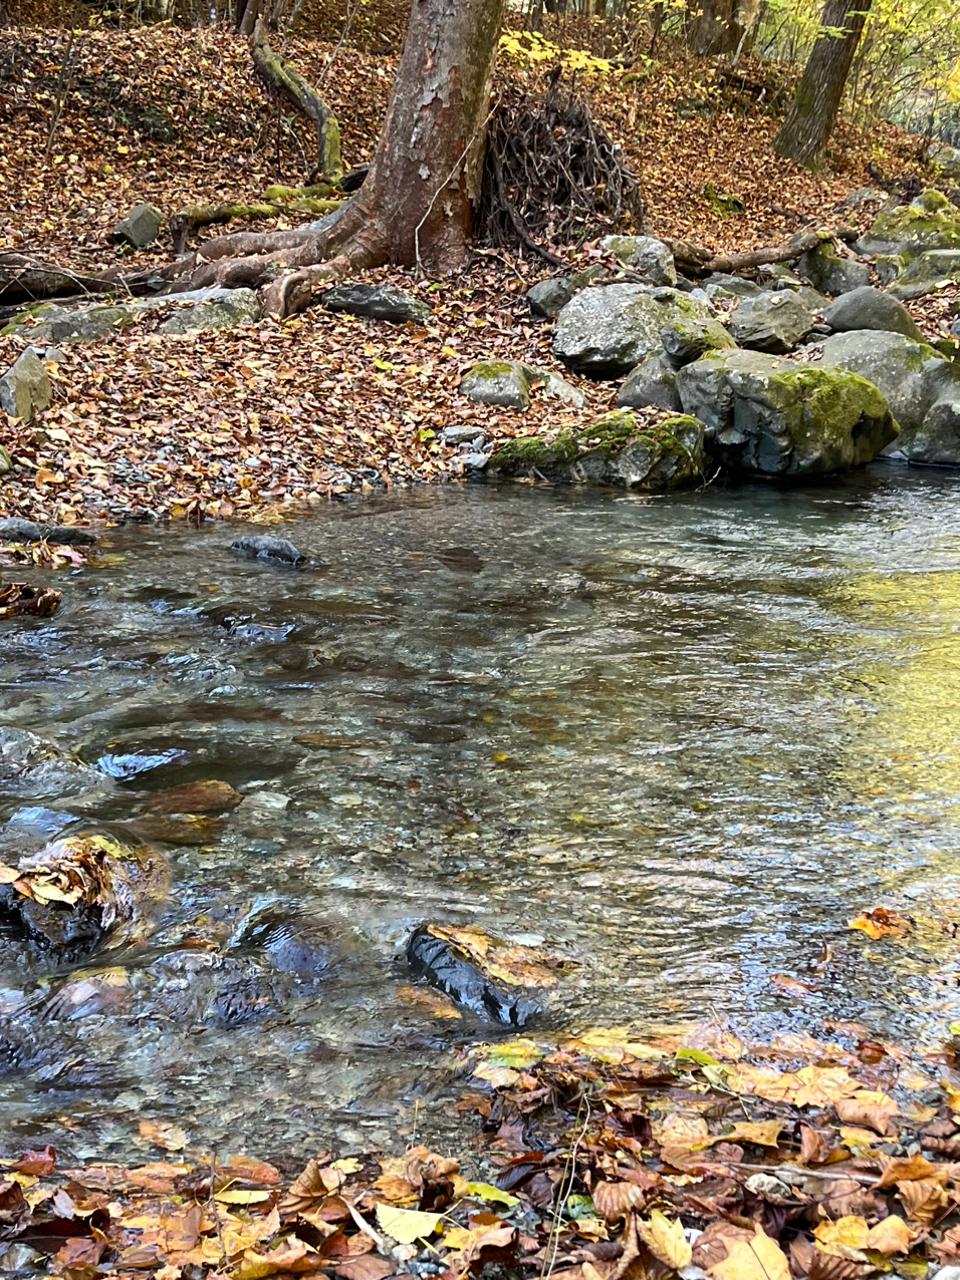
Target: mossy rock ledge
{"x": 619, "y": 451}
{"x": 775, "y": 417}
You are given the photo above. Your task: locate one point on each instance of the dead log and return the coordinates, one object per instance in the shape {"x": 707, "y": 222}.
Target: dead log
{"x": 700, "y": 261}
{"x": 24, "y": 279}
{"x": 284, "y": 79}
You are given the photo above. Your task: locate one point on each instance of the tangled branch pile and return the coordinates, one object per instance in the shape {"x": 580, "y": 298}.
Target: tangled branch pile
{"x": 551, "y": 174}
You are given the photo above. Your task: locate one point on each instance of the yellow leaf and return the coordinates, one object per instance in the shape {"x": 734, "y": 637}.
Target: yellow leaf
{"x": 845, "y": 1238}
{"x": 892, "y": 1235}
{"x": 406, "y": 1225}
{"x": 765, "y": 1133}
{"x": 243, "y": 1197}
{"x": 499, "y": 1077}
{"x": 484, "y": 1191}
{"x": 666, "y": 1240}
{"x": 758, "y": 1259}
{"x": 348, "y": 1165}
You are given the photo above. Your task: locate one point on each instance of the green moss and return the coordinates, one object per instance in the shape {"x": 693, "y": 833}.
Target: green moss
{"x": 834, "y": 400}
{"x": 609, "y": 434}
{"x": 490, "y": 369}
{"x": 929, "y": 222}
{"x": 524, "y": 452}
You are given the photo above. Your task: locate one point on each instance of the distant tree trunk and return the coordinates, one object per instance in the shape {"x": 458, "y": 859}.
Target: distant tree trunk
{"x": 810, "y": 121}
{"x": 716, "y": 27}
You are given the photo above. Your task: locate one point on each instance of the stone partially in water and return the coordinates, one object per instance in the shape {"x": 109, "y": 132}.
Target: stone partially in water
{"x": 31, "y": 768}
{"x": 208, "y": 796}
{"x": 264, "y": 547}
{"x": 454, "y": 971}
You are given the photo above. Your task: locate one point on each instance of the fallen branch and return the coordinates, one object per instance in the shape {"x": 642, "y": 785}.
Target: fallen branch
{"x": 25, "y": 279}
{"x": 701, "y": 261}
{"x": 284, "y": 79}
{"x": 184, "y": 223}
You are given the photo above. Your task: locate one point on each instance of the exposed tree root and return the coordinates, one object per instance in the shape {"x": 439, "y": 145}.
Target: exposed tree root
{"x": 187, "y": 221}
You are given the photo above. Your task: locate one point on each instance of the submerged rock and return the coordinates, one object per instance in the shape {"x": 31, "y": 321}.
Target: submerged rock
{"x": 32, "y": 768}
{"x": 779, "y": 418}
{"x": 437, "y": 954}
{"x": 14, "y": 529}
{"x": 264, "y": 547}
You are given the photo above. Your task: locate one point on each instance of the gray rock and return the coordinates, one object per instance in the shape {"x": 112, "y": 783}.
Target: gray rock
{"x": 946, "y": 160}
{"x": 617, "y": 451}
{"x": 869, "y": 308}
{"x": 927, "y": 273}
{"x": 140, "y": 227}
{"x": 13, "y": 529}
{"x": 500, "y": 382}
{"x": 461, "y": 433}
{"x": 781, "y": 418}
{"x": 645, "y": 254}
{"x": 25, "y": 388}
{"x": 278, "y": 550}
{"x": 508, "y": 383}
{"x": 721, "y": 283}
{"x": 774, "y": 322}
{"x": 687, "y": 340}
{"x": 937, "y": 443}
{"x": 865, "y": 195}
{"x": 815, "y": 302}
{"x": 605, "y": 332}
{"x": 592, "y": 274}
{"x": 654, "y": 382}
{"x": 547, "y": 297}
{"x": 228, "y": 309}
{"x": 909, "y": 374}
{"x": 828, "y": 272}
{"x": 929, "y": 222}
{"x": 376, "y": 302}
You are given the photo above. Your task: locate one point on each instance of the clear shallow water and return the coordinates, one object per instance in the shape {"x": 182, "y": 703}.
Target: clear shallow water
{"x": 680, "y": 741}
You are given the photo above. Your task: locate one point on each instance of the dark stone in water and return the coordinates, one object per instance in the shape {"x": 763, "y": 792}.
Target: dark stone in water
{"x": 452, "y": 970}
{"x": 460, "y": 558}
{"x": 130, "y": 764}
{"x": 16, "y": 530}
{"x": 277, "y": 550}
{"x": 296, "y": 942}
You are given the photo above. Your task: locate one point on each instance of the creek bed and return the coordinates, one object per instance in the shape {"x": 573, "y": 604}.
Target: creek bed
{"x": 681, "y": 742}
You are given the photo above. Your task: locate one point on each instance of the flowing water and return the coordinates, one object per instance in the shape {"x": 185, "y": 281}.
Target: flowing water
{"x": 679, "y": 741}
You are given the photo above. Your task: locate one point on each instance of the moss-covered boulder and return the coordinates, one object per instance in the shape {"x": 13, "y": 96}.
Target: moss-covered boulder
{"x": 509, "y": 384}
{"x": 780, "y": 418}
{"x": 933, "y": 270}
{"x": 619, "y": 450}
{"x": 930, "y": 221}
{"x": 605, "y": 331}
{"x": 830, "y": 273}
{"x": 687, "y": 340}
{"x": 213, "y": 308}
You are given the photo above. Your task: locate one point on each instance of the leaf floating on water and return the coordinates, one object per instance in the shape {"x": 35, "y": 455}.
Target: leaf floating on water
{"x": 881, "y": 923}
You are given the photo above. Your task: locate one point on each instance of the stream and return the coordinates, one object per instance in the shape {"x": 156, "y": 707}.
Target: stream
{"x": 679, "y": 741}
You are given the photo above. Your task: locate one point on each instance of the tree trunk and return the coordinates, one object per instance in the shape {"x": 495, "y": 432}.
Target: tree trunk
{"x": 809, "y": 123}
{"x": 416, "y": 205}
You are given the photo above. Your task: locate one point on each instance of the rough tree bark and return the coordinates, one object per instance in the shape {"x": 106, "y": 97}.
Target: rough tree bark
{"x": 716, "y": 27}
{"x": 804, "y": 134}
{"x": 415, "y": 206}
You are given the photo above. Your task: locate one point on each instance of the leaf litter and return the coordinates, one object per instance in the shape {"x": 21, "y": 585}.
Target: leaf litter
{"x": 603, "y": 1155}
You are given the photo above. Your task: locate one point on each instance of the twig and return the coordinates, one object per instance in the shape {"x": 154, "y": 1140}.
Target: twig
{"x": 367, "y": 1230}
{"x": 339, "y": 45}
{"x": 562, "y": 1193}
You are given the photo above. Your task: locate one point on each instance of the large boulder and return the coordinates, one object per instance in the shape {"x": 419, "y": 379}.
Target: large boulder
{"x": 652, "y": 383}
{"x": 870, "y": 308}
{"x": 915, "y": 379}
{"x": 773, "y": 322}
{"x": 619, "y": 451}
{"x": 508, "y": 384}
{"x": 928, "y": 222}
{"x": 222, "y": 309}
{"x": 376, "y": 302}
{"x": 929, "y": 272}
{"x": 781, "y": 418}
{"x": 646, "y": 255}
{"x": 828, "y": 272}
{"x": 605, "y": 331}
{"x": 211, "y": 308}
{"x": 25, "y": 387}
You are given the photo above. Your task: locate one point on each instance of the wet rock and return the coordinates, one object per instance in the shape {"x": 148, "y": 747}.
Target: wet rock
{"x": 547, "y": 297}
{"x": 870, "y": 308}
{"x": 296, "y": 942}
{"x": 125, "y": 765}
{"x": 778, "y": 418}
{"x": 376, "y": 302}
{"x": 245, "y": 623}
{"x": 140, "y": 227}
{"x": 32, "y": 768}
{"x": 687, "y": 340}
{"x": 209, "y": 796}
{"x": 508, "y": 383}
{"x": 618, "y": 450}
{"x": 646, "y": 255}
{"x": 774, "y": 322}
{"x": 264, "y": 547}
{"x": 605, "y": 332}
{"x": 13, "y": 529}
{"x": 25, "y": 388}
{"x": 450, "y": 968}
{"x": 654, "y": 382}
{"x": 80, "y": 892}
{"x": 828, "y": 272}
{"x": 937, "y": 443}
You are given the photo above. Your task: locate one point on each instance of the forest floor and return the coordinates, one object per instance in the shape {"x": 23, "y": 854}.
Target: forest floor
{"x": 236, "y": 422}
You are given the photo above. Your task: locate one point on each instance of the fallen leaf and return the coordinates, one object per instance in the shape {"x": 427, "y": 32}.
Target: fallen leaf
{"x": 407, "y": 1225}
{"x": 881, "y": 923}
{"x": 666, "y": 1240}
{"x": 758, "y": 1259}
